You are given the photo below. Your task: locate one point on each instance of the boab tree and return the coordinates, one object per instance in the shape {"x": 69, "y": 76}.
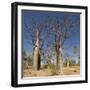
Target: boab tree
{"x": 33, "y": 38}
{"x": 63, "y": 28}
{"x": 35, "y": 31}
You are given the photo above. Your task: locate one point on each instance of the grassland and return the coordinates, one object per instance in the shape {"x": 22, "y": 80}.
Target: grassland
{"x": 74, "y": 70}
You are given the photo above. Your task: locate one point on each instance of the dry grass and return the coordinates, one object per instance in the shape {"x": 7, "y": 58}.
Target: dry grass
{"x": 75, "y": 70}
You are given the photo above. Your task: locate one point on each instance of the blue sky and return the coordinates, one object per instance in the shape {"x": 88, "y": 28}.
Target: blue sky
{"x": 39, "y": 16}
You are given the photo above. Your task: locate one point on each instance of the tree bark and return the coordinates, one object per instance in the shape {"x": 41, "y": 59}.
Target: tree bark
{"x": 59, "y": 57}
{"x": 36, "y": 53}
{"x": 61, "y": 61}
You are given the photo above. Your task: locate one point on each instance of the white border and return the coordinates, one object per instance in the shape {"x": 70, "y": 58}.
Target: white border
{"x": 82, "y": 48}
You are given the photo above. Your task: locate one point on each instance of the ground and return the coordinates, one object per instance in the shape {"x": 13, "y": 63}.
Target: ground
{"x": 74, "y": 70}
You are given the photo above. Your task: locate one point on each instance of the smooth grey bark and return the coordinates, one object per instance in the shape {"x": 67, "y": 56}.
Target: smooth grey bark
{"x": 61, "y": 61}
{"x": 59, "y": 54}
{"x": 36, "y": 53}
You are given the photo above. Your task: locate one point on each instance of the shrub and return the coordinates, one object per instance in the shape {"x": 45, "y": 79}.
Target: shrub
{"x": 53, "y": 69}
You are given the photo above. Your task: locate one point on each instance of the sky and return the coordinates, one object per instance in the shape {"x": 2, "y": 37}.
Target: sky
{"x": 39, "y": 16}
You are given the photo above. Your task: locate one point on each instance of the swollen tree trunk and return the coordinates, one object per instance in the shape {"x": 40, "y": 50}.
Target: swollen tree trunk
{"x": 59, "y": 54}
{"x": 36, "y": 53}
{"x": 61, "y": 61}
{"x": 59, "y": 58}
